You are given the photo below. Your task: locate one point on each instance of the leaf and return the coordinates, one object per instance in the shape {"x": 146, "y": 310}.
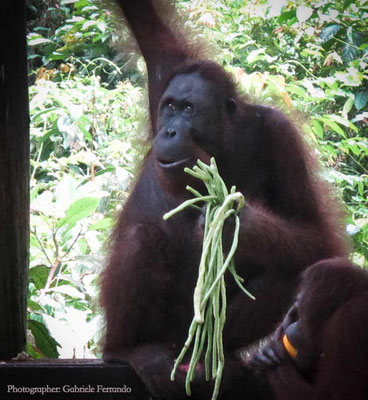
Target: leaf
{"x": 66, "y": 128}
{"x": 317, "y": 129}
{"x": 256, "y": 55}
{"x": 56, "y": 56}
{"x": 88, "y": 24}
{"x": 103, "y": 224}
{"x": 44, "y": 203}
{"x": 352, "y": 229}
{"x": 38, "y": 276}
{"x": 44, "y": 341}
{"x": 47, "y": 111}
{"x": 342, "y": 121}
{"x": 109, "y": 168}
{"x": 287, "y": 16}
{"x": 360, "y": 100}
{"x": 32, "y": 56}
{"x": 333, "y": 125}
{"x": 34, "y": 306}
{"x": 336, "y": 57}
{"x": 329, "y": 32}
{"x": 80, "y": 3}
{"x": 347, "y": 3}
{"x": 353, "y": 146}
{"x": 350, "y": 50}
{"x": 68, "y": 290}
{"x": 360, "y": 117}
{"x": 80, "y": 209}
{"x": 32, "y": 351}
{"x": 348, "y": 106}
{"x": 355, "y": 37}
{"x": 351, "y": 77}
{"x": 330, "y": 150}
{"x": 276, "y": 8}
{"x": 84, "y": 124}
{"x": 35, "y": 42}
{"x": 349, "y": 34}
{"x": 303, "y": 13}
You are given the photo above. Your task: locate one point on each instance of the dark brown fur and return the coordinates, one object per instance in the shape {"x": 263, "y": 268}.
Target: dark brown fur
{"x": 289, "y": 221}
{"x": 333, "y": 315}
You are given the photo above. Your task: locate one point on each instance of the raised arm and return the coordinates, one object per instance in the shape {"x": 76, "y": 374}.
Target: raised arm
{"x": 162, "y": 50}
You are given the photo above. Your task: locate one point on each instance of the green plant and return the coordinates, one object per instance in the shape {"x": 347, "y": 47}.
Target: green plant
{"x": 82, "y": 163}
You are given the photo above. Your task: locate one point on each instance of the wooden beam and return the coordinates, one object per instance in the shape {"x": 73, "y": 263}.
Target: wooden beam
{"x": 14, "y": 178}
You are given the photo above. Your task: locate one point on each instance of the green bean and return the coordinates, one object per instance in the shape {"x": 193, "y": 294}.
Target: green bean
{"x": 192, "y": 330}
{"x": 192, "y": 364}
{"x": 209, "y": 323}
{"x": 186, "y": 204}
{"x": 193, "y": 191}
{"x": 209, "y": 298}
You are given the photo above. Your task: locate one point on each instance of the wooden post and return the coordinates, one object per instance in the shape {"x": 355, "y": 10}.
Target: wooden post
{"x": 14, "y": 178}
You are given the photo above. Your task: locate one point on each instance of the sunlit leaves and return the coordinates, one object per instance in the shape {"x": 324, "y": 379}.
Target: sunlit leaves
{"x": 332, "y": 125}
{"x": 303, "y": 13}
{"x": 34, "y": 40}
{"x": 288, "y": 17}
{"x": 351, "y": 77}
{"x": 318, "y": 128}
{"x": 348, "y": 106}
{"x": 78, "y": 210}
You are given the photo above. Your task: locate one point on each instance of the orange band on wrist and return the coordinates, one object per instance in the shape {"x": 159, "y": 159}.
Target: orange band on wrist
{"x": 289, "y": 347}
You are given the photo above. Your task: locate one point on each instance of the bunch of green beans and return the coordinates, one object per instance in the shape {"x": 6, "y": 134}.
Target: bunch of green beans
{"x": 210, "y": 292}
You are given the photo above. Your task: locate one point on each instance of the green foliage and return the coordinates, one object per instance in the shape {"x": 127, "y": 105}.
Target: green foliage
{"x": 307, "y": 57}
{"x": 82, "y": 40}
{"x": 44, "y": 344}
{"x": 82, "y": 164}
